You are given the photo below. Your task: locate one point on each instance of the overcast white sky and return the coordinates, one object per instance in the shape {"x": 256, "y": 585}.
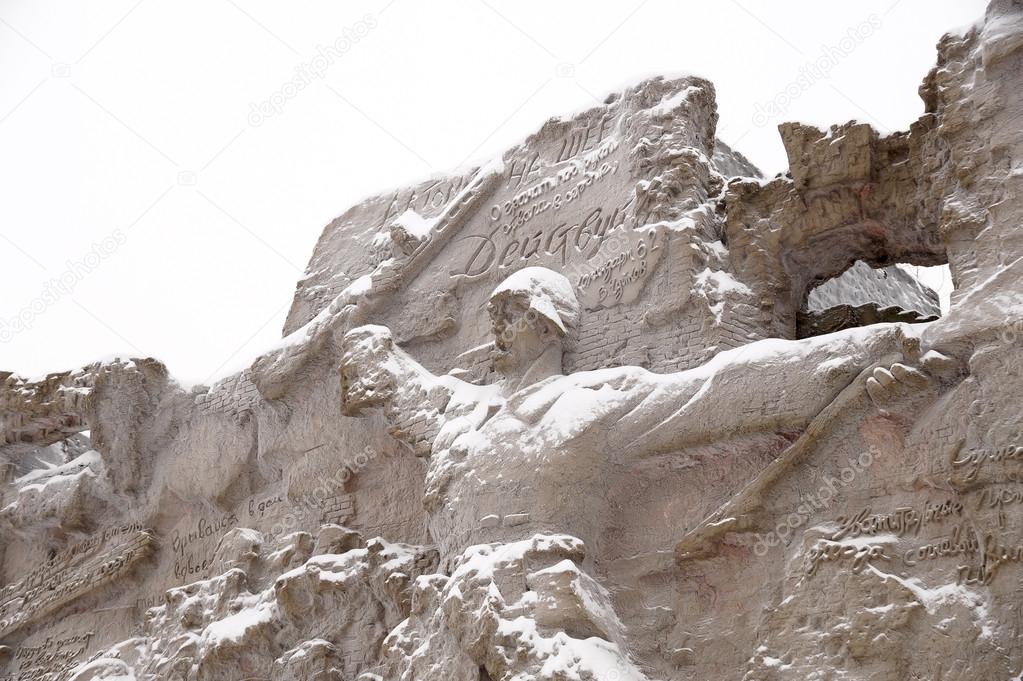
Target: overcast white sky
{"x": 141, "y": 167}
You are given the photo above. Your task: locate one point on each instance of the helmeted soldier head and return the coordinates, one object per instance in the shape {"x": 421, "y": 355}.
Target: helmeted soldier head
{"x": 531, "y": 312}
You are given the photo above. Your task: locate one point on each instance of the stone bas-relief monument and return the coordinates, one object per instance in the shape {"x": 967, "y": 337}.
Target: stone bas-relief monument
{"x": 611, "y": 406}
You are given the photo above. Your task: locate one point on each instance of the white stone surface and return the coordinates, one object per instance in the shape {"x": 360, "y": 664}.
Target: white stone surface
{"x": 551, "y": 420}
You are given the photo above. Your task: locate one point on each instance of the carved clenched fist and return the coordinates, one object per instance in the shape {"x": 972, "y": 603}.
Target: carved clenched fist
{"x": 365, "y": 380}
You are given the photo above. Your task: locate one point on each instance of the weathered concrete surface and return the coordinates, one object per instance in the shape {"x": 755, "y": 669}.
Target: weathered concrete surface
{"x": 584, "y": 412}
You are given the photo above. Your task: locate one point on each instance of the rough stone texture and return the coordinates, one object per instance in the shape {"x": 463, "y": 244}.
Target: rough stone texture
{"x": 572, "y": 415}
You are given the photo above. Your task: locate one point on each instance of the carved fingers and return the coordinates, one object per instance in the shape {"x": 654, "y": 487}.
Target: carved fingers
{"x": 886, "y": 386}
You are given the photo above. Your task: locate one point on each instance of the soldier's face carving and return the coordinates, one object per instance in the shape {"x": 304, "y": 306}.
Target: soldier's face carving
{"x": 520, "y": 334}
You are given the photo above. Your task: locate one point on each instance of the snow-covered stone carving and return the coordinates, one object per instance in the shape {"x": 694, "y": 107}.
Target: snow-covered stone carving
{"x": 611, "y": 406}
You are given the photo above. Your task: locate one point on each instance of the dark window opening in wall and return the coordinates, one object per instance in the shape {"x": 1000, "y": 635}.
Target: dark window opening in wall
{"x": 863, "y": 295}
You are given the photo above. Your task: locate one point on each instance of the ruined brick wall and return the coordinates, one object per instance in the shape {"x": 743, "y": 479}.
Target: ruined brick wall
{"x": 233, "y": 395}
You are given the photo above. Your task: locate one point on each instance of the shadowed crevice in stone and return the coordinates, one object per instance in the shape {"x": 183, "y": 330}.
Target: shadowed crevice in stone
{"x": 842, "y": 317}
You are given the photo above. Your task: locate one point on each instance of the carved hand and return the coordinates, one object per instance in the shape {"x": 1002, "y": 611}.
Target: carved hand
{"x": 366, "y": 370}
{"x": 886, "y": 386}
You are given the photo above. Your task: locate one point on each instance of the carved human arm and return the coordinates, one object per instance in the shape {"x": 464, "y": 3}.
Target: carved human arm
{"x": 378, "y": 375}
{"x": 770, "y": 386}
